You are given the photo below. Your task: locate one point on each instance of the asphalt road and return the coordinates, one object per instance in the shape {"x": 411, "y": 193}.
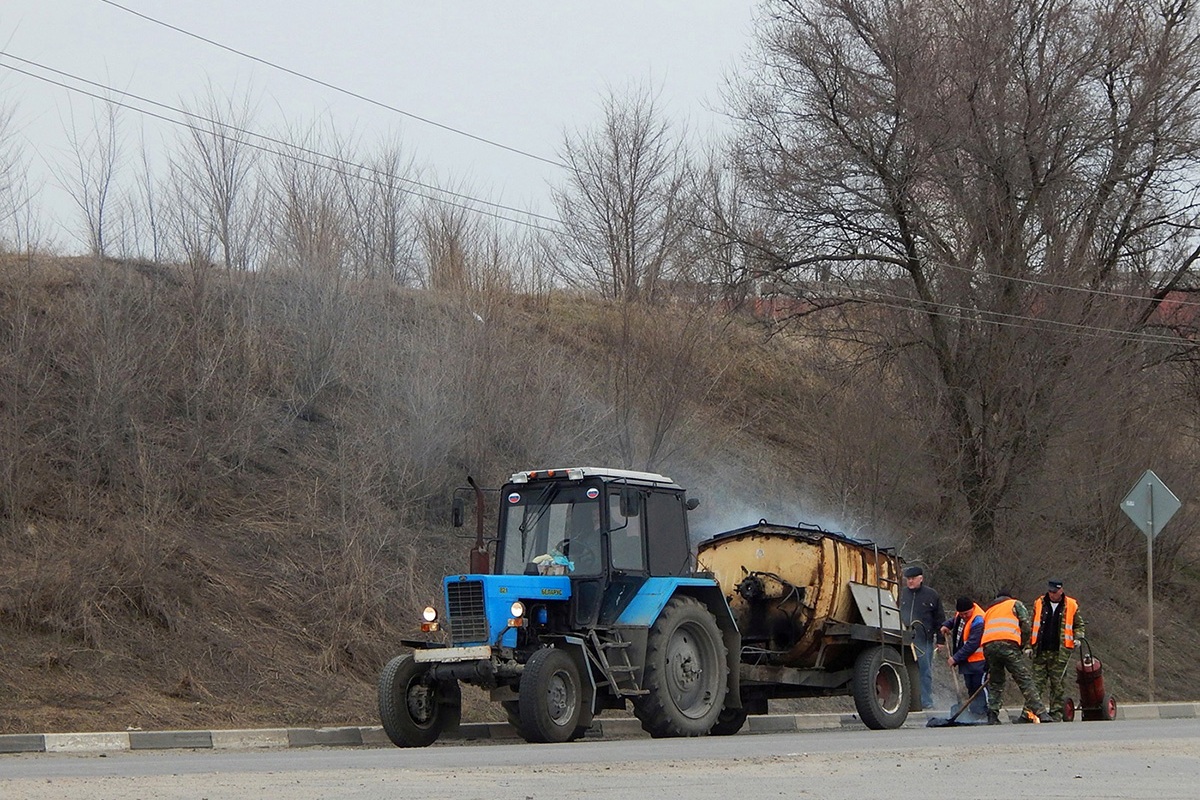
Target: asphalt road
{"x": 1157, "y": 759}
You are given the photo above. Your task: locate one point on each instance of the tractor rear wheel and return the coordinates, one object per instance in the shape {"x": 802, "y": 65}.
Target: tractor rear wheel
{"x": 685, "y": 672}
{"x": 881, "y": 688}
{"x": 551, "y": 701}
{"x": 729, "y": 721}
{"x": 414, "y": 709}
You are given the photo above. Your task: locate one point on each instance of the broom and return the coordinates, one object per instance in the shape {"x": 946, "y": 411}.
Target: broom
{"x": 942, "y": 722}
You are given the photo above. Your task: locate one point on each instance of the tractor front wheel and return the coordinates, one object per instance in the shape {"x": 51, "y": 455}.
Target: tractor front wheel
{"x": 414, "y": 709}
{"x": 551, "y": 703}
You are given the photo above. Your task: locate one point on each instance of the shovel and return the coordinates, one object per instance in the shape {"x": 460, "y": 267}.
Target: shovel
{"x": 943, "y": 722}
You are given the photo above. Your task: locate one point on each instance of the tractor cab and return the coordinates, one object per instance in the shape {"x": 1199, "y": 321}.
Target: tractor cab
{"x": 607, "y": 530}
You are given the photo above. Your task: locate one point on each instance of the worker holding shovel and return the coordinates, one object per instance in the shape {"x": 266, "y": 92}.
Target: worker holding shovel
{"x": 964, "y": 633}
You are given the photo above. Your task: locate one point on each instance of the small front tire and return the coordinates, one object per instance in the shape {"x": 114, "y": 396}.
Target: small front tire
{"x": 414, "y": 709}
{"x": 550, "y": 708}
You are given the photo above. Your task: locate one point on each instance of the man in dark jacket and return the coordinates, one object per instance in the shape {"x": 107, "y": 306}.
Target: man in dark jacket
{"x": 964, "y": 637}
{"x": 921, "y": 611}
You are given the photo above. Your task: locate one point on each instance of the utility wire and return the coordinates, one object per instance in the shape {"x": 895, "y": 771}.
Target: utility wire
{"x": 335, "y": 88}
{"x": 1051, "y": 285}
{"x": 327, "y": 160}
{"x": 1004, "y": 319}
{"x": 282, "y": 143}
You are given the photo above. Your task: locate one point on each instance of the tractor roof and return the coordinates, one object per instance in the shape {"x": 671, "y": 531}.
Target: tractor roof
{"x": 604, "y": 473}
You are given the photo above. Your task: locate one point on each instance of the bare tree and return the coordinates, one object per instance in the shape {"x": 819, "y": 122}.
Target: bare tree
{"x": 624, "y": 204}
{"x": 447, "y": 233}
{"x": 311, "y": 247}
{"x": 90, "y": 179}
{"x": 381, "y": 221}
{"x": 19, "y": 217}
{"x": 985, "y": 185}
{"x": 217, "y": 169}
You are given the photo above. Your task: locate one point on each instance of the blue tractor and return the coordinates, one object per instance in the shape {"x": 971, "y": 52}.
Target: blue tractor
{"x": 594, "y": 603}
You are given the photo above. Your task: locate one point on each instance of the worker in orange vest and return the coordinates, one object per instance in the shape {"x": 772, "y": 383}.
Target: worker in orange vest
{"x": 964, "y": 634}
{"x": 1006, "y": 629}
{"x": 1057, "y": 626}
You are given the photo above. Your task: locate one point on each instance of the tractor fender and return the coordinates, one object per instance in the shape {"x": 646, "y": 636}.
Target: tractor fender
{"x": 652, "y": 598}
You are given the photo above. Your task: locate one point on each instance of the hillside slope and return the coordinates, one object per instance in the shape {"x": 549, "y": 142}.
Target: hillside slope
{"x": 223, "y": 497}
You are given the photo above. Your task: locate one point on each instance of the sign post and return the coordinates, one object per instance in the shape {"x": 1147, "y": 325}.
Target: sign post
{"x": 1150, "y": 504}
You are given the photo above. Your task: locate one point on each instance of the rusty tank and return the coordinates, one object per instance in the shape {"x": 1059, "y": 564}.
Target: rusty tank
{"x": 798, "y": 593}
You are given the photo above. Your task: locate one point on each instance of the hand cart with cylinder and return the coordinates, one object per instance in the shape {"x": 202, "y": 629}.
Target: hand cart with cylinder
{"x": 1094, "y": 702}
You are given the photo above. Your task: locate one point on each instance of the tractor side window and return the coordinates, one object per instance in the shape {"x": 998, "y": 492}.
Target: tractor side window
{"x": 625, "y": 537}
{"x": 665, "y": 514}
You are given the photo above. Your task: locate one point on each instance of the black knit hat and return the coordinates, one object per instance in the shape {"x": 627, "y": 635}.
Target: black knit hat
{"x": 963, "y": 604}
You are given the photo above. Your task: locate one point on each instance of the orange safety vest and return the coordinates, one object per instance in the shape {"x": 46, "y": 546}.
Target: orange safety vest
{"x": 1000, "y": 624}
{"x": 1070, "y": 607}
{"x": 964, "y": 633}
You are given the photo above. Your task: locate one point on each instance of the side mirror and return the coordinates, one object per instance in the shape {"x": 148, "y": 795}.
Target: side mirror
{"x": 692, "y": 503}
{"x": 458, "y": 510}
{"x": 630, "y": 502}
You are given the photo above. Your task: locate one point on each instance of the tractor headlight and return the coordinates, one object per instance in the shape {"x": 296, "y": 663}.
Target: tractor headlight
{"x": 429, "y": 622}
{"x": 517, "y": 610}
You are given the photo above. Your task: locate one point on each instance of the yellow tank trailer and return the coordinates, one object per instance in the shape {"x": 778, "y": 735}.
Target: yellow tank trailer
{"x": 818, "y": 615}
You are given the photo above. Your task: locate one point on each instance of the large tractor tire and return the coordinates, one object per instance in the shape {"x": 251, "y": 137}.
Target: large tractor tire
{"x": 551, "y": 703}
{"x": 881, "y": 688}
{"x": 729, "y": 722}
{"x": 512, "y": 710}
{"x": 686, "y": 673}
{"x": 413, "y": 709}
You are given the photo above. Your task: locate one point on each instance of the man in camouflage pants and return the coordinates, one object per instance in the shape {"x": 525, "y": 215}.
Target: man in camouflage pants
{"x": 1006, "y": 627}
{"x": 1057, "y": 626}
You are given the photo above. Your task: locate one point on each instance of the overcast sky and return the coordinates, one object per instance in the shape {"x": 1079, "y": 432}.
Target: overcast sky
{"x": 515, "y": 73}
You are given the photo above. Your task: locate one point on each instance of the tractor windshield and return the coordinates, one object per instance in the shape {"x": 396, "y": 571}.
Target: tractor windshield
{"x": 550, "y": 529}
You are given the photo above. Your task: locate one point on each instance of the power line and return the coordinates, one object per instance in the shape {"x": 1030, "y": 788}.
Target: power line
{"x": 335, "y": 88}
{"x": 1005, "y": 319}
{"x": 327, "y": 159}
{"x": 1050, "y": 285}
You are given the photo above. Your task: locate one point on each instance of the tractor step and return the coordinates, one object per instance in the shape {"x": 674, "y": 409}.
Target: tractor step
{"x": 620, "y": 676}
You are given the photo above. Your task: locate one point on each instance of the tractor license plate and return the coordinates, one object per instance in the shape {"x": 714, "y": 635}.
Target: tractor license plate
{"x": 444, "y": 654}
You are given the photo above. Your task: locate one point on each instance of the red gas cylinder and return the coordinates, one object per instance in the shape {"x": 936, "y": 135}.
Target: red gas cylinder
{"x": 1093, "y": 702}
{"x": 1091, "y": 681}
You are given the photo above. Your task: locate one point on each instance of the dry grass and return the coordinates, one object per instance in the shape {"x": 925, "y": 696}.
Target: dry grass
{"x": 220, "y": 505}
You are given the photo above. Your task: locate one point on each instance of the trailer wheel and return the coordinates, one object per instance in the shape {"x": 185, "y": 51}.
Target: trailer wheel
{"x": 685, "y": 672}
{"x": 880, "y": 687}
{"x": 413, "y": 709}
{"x": 729, "y": 721}
{"x": 1069, "y": 710}
{"x": 551, "y": 697}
